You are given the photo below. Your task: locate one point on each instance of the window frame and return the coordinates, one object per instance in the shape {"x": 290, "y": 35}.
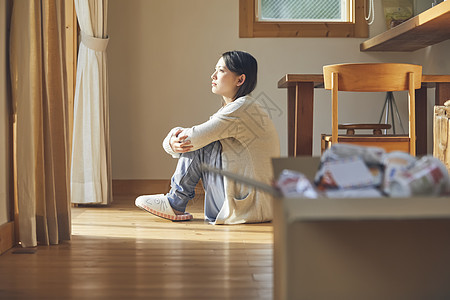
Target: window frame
{"x": 251, "y": 27}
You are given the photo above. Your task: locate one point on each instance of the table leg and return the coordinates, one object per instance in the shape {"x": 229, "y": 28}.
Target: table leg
{"x": 291, "y": 117}
{"x": 421, "y": 121}
{"x": 303, "y": 124}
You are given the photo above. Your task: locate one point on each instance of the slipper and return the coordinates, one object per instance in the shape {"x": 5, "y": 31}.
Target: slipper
{"x": 159, "y": 206}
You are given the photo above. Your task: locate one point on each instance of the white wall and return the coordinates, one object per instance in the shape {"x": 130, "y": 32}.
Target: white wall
{"x": 5, "y": 163}
{"x": 161, "y": 55}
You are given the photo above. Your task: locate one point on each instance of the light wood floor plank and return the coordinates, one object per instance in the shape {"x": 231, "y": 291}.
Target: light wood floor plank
{"x": 122, "y": 252}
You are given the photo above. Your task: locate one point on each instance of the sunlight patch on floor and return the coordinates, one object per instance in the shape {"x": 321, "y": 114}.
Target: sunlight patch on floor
{"x": 97, "y": 221}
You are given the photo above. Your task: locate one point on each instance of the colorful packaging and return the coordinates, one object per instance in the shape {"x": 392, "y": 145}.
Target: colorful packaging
{"x": 293, "y": 184}
{"x": 395, "y": 163}
{"x": 428, "y": 176}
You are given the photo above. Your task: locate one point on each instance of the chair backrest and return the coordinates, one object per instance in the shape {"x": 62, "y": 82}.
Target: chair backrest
{"x": 373, "y": 77}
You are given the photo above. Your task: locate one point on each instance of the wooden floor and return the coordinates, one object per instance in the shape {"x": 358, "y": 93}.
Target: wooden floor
{"x": 121, "y": 252}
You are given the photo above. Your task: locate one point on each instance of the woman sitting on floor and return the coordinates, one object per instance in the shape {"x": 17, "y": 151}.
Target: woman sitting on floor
{"x": 240, "y": 138}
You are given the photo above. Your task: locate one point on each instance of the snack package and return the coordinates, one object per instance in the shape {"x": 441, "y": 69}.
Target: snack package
{"x": 395, "y": 163}
{"x": 370, "y": 155}
{"x": 347, "y": 173}
{"x": 428, "y": 176}
{"x": 294, "y": 184}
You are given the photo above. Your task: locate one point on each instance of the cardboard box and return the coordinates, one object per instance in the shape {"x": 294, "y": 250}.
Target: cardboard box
{"x": 380, "y": 248}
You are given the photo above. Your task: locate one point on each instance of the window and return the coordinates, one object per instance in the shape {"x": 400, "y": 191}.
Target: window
{"x": 302, "y": 18}
{"x": 303, "y": 10}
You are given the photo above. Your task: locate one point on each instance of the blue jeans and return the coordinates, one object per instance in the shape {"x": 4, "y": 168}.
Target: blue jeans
{"x": 189, "y": 172}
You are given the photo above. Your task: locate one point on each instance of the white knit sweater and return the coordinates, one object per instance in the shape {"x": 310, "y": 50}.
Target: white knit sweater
{"x": 249, "y": 141}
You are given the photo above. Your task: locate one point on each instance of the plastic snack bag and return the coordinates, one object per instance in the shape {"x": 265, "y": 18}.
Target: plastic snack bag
{"x": 395, "y": 163}
{"x": 294, "y": 184}
{"x": 428, "y": 176}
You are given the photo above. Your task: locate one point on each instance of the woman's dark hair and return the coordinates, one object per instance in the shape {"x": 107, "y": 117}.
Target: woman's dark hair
{"x": 241, "y": 62}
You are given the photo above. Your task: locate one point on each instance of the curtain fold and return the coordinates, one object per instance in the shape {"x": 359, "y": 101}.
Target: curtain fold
{"x": 41, "y": 146}
{"x": 91, "y": 181}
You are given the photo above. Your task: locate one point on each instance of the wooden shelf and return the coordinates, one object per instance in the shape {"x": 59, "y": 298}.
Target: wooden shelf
{"x": 428, "y": 28}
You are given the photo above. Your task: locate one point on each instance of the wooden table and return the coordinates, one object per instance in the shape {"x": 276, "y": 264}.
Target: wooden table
{"x": 300, "y": 95}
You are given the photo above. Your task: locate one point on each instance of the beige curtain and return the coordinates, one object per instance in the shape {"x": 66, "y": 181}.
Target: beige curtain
{"x": 40, "y": 129}
{"x": 91, "y": 159}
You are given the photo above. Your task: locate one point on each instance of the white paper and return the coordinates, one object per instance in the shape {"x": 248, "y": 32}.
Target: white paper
{"x": 350, "y": 173}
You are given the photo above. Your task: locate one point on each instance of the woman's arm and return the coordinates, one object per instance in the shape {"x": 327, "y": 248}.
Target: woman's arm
{"x": 176, "y": 143}
{"x": 217, "y": 128}
{"x": 221, "y": 125}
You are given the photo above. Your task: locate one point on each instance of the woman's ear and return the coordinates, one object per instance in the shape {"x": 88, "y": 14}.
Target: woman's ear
{"x": 241, "y": 80}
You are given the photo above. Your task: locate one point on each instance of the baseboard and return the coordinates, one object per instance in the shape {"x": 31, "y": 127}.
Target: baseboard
{"x": 136, "y": 187}
{"x": 6, "y": 236}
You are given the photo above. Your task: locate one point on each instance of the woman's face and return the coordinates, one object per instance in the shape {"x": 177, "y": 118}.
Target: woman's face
{"x": 225, "y": 82}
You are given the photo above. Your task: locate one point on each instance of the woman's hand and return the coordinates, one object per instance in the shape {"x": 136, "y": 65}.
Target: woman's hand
{"x": 179, "y": 143}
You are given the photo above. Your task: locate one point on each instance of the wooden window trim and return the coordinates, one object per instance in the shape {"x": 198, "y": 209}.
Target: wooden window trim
{"x": 250, "y": 27}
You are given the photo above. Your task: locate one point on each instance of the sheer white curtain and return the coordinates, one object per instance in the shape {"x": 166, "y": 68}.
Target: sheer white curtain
{"x": 91, "y": 158}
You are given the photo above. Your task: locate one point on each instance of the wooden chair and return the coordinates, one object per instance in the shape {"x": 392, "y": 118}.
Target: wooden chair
{"x": 373, "y": 77}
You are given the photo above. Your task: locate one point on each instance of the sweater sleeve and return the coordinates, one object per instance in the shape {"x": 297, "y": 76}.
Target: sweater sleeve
{"x": 221, "y": 125}
{"x": 166, "y": 143}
